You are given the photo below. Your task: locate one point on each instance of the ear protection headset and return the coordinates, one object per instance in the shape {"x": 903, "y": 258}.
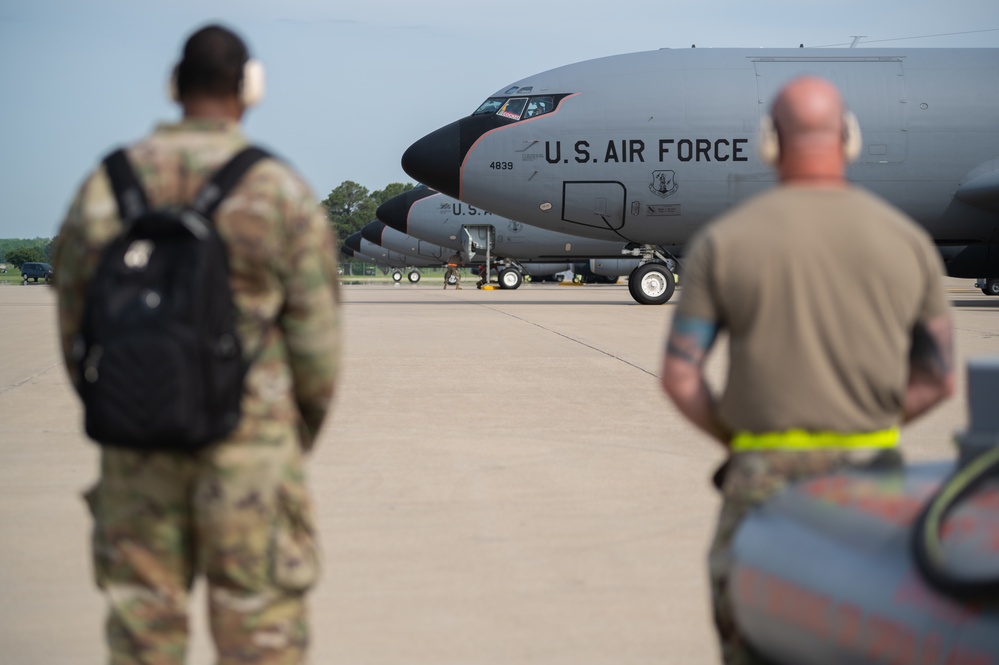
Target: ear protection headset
{"x": 251, "y": 84}
{"x": 769, "y": 143}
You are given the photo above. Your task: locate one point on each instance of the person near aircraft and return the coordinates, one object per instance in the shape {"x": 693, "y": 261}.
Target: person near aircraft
{"x": 451, "y": 270}
{"x": 819, "y": 379}
{"x": 238, "y": 510}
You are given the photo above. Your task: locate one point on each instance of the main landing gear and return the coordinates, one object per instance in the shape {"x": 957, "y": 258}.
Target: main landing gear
{"x": 510, "y": 278}
{"x": 652, "y": 282}
{"x": 413, "y": 276}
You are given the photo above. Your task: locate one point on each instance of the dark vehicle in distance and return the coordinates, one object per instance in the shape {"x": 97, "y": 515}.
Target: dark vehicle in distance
{"x": 35, "y": 270}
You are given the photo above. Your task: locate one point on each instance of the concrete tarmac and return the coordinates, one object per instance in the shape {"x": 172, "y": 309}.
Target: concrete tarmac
{"x": 501, "y": 481}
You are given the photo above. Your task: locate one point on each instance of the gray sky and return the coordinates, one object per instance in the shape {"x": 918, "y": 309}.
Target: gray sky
{"x": 351, "y": 87}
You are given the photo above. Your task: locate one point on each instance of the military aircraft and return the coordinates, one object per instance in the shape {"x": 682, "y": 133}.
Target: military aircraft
{"x": 400, "y": 262}
{"x": 434, "y": 217}
{"x": 396, "y": 241}
{"x": 401, "y": 244}
{"x": 646, "y": 147}
{"x": 508, "y": 277}
{"x": 348, "y": 253}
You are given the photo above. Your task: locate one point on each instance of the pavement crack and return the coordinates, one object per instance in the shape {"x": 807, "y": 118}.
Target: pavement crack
{"x": 572, "y": 339}
{"x": 28, "y": 379}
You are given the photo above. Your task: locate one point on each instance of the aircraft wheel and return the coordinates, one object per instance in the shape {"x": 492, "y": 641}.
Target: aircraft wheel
{"x": 414, "y": 277}
{"x": 396, "y": 275}
{"x": 510, "y": 278}
{"x": 452, "y": 279}
{"x": 991, "y": 287}
{"x": 651, "y": 284}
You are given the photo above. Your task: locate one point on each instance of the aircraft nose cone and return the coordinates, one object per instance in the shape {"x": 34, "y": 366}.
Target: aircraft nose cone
{"x": 372, "y": 232}
{"x": 394, "y": 213}
{"x": 353, "y": 241}
{"x": 435, "y": 160}
{"x": 347, "y": 252}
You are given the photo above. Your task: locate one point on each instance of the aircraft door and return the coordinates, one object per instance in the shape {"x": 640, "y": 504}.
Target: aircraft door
{"x": 873, "y": 88}
{"x": 477, "y": 239}
{"x": 600, "y": 204}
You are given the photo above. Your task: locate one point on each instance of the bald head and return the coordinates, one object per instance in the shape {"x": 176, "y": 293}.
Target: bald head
{"x": 808, "y": 115}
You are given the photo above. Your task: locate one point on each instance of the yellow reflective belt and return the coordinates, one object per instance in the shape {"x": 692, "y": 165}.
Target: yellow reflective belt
{"x": 799, "y": 439}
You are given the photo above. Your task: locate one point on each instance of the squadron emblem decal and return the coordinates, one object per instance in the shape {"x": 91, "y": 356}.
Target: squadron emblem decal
{"x": 663, "y": 183}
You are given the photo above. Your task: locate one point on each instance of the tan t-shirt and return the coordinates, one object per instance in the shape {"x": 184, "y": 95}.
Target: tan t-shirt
{"x": 819, "y": 290}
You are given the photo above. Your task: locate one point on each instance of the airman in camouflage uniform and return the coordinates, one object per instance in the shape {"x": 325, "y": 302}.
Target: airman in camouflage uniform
{"x": 237, "y": 512}
{"x": 819, "y": 379}
{"x": 452, "y": 270}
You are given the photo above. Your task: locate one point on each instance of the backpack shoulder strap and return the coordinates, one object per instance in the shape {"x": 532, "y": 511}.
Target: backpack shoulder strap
{"x": 220, "y": 184}
{"x": 128, "y": 191}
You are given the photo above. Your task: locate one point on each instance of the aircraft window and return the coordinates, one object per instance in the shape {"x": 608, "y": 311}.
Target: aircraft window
{"x": 513, "y": 108}
{"x": 516, "y": 108}
{"x": 490, "y": 106}
{"x": 538, "y": 106}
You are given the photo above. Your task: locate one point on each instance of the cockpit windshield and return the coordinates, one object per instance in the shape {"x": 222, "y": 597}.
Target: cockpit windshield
{"x": 516, "y": 108}
{"x": 490, "y": 106}
{"x": 513, "y": 108}
{"x": 538, "y": 106}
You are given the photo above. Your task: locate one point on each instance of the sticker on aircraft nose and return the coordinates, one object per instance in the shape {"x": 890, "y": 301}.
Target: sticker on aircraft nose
{"x": 663, "y": 183}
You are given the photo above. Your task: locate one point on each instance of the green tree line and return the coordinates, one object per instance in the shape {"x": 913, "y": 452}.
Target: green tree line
{"x": 349, "y": 207}
{"x": 17, "y": 251}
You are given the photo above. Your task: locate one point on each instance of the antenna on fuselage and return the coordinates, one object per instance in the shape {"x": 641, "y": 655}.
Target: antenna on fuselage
{"x": 856, "y": 40}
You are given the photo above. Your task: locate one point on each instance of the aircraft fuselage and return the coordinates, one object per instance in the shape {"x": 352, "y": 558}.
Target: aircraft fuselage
{"x": 647, "y": 147}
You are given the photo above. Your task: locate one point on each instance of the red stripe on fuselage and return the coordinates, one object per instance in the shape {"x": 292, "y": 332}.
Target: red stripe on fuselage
{"x": 461, "y": 176}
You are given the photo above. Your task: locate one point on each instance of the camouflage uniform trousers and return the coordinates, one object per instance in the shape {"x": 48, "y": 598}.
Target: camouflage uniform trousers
{"x": 238, "y": 513}
{"x": 451, "y": 270}
{"x": 749, "y": 479}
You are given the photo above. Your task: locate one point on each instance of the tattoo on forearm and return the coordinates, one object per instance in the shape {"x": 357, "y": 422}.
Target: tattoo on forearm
{"x": 674, "y": 349}
{"x": 690, "y": 339}
{"x": 929, "y": 355}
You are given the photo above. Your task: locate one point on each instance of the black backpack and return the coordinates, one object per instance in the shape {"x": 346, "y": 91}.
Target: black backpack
{"x": 161, "y": 366}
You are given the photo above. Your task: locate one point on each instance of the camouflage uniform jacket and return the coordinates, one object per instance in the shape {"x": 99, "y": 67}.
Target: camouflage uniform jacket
{"x": 282, "y": 265}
